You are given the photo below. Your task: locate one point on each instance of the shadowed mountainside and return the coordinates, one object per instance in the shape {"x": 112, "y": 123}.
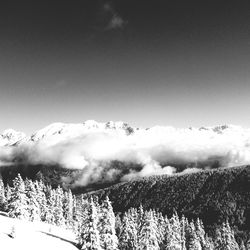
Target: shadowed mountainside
{"x": 213, "y": 195}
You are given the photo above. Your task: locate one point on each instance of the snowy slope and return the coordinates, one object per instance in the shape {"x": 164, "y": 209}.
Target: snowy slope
{"x": 34, "y": 235}
{"x": 10, "y": 137}
{"x": 75, "y": 129}
{"x": 61, "y": 131}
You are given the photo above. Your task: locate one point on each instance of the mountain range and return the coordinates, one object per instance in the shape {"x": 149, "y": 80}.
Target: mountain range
{"x": 93, "y": 154}
{"x": 11, "y": 137}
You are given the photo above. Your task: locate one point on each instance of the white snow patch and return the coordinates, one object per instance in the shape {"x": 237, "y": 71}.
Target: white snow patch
{"x": 34, "y": 235}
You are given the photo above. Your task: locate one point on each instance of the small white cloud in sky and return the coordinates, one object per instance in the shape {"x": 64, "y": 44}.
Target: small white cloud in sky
{"x": 116, "y": 21}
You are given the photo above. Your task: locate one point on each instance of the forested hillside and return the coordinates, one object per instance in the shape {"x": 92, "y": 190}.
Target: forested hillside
{"x": 96, "y": 226}
{"x": 212, "y": 195}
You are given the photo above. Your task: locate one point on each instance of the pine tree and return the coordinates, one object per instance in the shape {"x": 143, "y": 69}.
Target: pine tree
{"x": 176, "y": 239}
{"x": 183, "y": 226}
{"x": 17, "y": 204}
{"x": 76, "y": 216}
{"x": 68, "y": 208}
{"x": 80, "y": 213}
{"x": 89, "y": 236}
{"x": 8, "y": 192}
{"x": 2, "y": 195}
{"x": 124, "y": 239}
{"x": 58, "y": 209}
{"x": 128, "y": 235}
{"x": 200, "y": 231}
{"x": 32, "y": 205}
{"x": 50, "y": 214}
{"x": 140, "y": 217}
{"x": 108, "y": 236}
{"x": 225, "y": 238}
{"x": 209, "y": 243}
{"x": 118, "y": 225}
{"x": 41, "y": 199}
{"x": 148, "y": 233}
{"x": 161, "y": 228}
{"x": 172, "y": 238}
{"x": 242, "y": 246}
{"x": 192, "y": 241}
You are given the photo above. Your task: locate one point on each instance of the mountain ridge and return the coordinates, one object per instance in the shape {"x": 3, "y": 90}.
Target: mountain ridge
{"x": 11, "y": 137}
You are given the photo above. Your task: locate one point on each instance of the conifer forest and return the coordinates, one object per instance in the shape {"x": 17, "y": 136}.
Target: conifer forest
{"x": 97, "y": 227}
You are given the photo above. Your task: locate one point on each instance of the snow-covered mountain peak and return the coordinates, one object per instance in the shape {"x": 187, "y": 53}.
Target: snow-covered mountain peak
{"x": 92, "y": 124}
{"x": 10, "y": 137}
{"x": 68, "y": 130}
{"x": 116, "y": 125}
{"x": 52, "y": 129}
{"x": 220, "y": 129}
{"x": 226, "y": 128}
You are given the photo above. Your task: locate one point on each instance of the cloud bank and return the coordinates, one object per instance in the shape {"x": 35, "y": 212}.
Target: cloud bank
{"x": 111, "y": 155}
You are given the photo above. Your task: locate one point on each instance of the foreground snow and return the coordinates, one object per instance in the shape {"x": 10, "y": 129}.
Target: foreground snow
{"x": 34, "y": 235}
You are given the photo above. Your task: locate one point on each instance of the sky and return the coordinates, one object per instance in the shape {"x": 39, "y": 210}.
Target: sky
{"x": 158, "y": 62}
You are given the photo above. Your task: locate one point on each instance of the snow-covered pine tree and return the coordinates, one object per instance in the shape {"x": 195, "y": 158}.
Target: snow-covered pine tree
{"x": 124, "y": 239}
{"x": 200, "y": 231}
{"x": 80, "y": 213}
{"x": 2, "y": 195}
{"x": 8, "y": 192}
{"x": 183, "y": 225}
{"x": 135, "y": 223}
{"x": 33, "y": 208}
{"x": 41, "y": 199}
{"x": 68, "y": 208}
{"x": 118, "y": 225}
{"x": 128, "y": 235}
{"x": 225, "y": 238}
{"x": 140, "y": 217}
{"x": 51, "y": 201}
{"x": 147, "y": 239}
{"x": 160, "y": 222}
{"x": 17, "y": 204}
{"x": 136, "y": 216}
{"x": 76, "y": 217}
{"x": 192, "y": 239}
{"x": 108, "y": 236}
{"x": 89, "y": 238}
{"x": 242, "y": 246}
{"x": 176, "y": 239}
{"x": 172, "y": 238}
{"x": 58, "y": 209}
{"x": 209, "y": 243}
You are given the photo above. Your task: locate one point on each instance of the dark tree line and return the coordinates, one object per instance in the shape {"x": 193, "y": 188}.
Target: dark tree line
{"x": 97, "y": 227}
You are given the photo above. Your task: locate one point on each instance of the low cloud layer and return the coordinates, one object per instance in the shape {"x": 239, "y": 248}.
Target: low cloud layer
{"x": 108, "y": 155}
